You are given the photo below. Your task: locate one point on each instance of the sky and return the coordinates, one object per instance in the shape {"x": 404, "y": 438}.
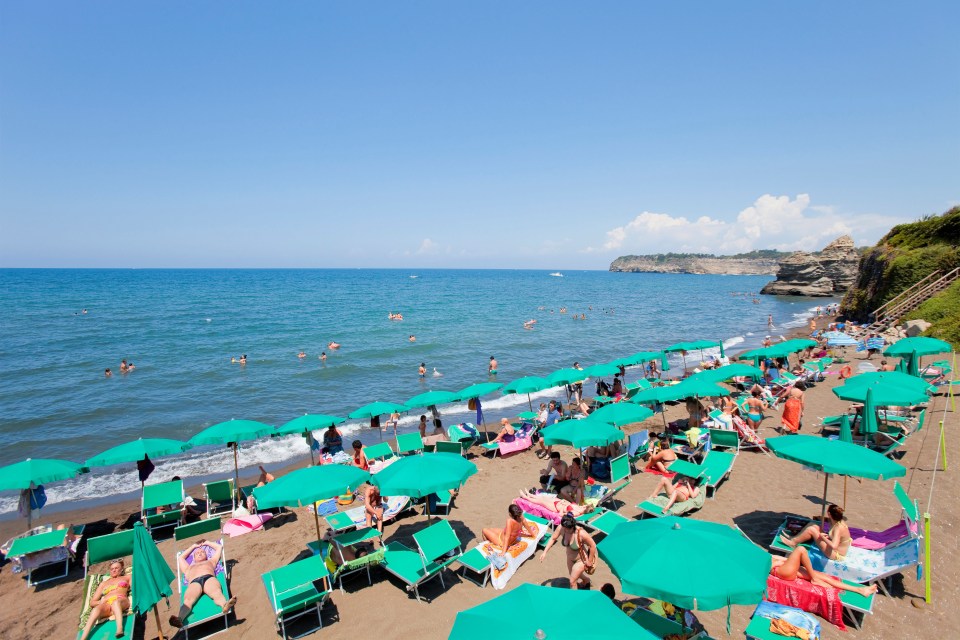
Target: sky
{"x": 419, "y": 134}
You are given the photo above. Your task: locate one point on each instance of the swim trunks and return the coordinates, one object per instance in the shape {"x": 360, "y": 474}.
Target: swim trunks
{"x": 200, "y": 580}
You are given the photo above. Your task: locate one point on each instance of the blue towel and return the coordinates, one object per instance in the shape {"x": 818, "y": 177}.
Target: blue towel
{"x": 327, "y": 507}
{"x": 796, "y": 617}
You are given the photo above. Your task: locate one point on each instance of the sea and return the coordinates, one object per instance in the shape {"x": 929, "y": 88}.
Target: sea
{"x": 61, "y": 329}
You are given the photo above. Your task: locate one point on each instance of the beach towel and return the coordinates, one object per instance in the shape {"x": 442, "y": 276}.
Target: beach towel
{"x": 655, "y": 506}
{"x": 393, "y": 506}
{"x": 803, "y": 594}
{"x": 657, "y": 472}
{"x": 537, "y": 510}
{"x": 238, "y": 526}
{"x": 521, "y": 440}
{"x": 791, "y": 414}
{"x": 376, "y": 466}
{"x": 747, "y": 434}
{"x": 865, "y": 565}
{"x": 515, "y": 556}
{"x": 796, "y": 617}
{"x": 219, "y": 569}
{"x": 865, "y": 539}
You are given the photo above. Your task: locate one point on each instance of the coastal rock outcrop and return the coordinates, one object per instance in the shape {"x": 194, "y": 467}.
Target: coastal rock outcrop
{"x": 829, "y": 272}
{"x": 697, "y": 264}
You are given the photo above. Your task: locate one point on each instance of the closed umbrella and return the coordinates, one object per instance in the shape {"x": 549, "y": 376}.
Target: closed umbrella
{"x": 420, "y": 476}
{"x": 527, "y": 385}
{"x": 232, "y": 433}
{"x": 306, "y": 425}
{"x": 153, "y": 575}
{"x": 474, "y": 392}
{"x": 375, "y": 410}
{"x": 32, "y": 472}
{"x": 621, "y": 413}
{"x": 588, "y": 432}
{"x": 736, "y": 572}
{"x": 541, "y": 607}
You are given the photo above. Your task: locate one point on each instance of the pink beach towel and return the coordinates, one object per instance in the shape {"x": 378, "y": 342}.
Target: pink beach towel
{"x": 864, "y": 539}
{"x": 537, "y": 510}
{"x": 238, "y": 526}
{"x": 803, "y": 594}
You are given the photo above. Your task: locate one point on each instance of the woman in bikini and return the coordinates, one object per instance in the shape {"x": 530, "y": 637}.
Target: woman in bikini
{"x": 755, "y": 406}
{"x": 833, "y": 545}
{"x": 112, "y": 598}
{"x": 581, "y": 551}
{"x": 661, "y": 455}
{"x": 517, "y": 526}
{"x": 557, "y": 505}
{"x": 680, "y": 491}
{"x": 797, "y": 565}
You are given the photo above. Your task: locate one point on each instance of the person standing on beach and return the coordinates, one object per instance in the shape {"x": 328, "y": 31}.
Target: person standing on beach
{"x": 492, "y": 368}
{"x": 770, "y": 321}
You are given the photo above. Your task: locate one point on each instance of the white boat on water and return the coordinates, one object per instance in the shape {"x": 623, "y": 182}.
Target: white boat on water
{"x": 557, "y": 274}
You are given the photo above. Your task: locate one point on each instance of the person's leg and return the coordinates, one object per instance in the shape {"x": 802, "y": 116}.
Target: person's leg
{"x": 117, "y": 608}
{"x": 663, "y": 485}
{"x": 378, "y": 516}
{"x": 213, "y": 589}
{"x": 190, "y": 597}
{"x": 101, "y": 611}
{"x": 823, "y": 579}
{"x": 790, "y": 567}
{"x": 492, "y": 536}
{"x": 577, "y": 574}
{"x": 810, "y": 532}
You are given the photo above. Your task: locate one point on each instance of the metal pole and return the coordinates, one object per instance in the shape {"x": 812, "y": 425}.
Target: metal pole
{"x": 823, "y": 510}
{"x": 928, "y": 596}
{"x": 943, "y": 445}
{"x": 236, "y": 469}
{"x": 316, "y": 522}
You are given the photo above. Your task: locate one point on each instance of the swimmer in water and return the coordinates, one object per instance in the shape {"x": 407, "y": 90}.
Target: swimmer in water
{"x": 492, "y": 368}
{"x": 412, "y": 338}
{"x": 243, "y": 359}
{"x": 422, "y": 371}
{"x": 333, "y": 345}
{"x": 107, "y": 373}
{"x": 301, "y": 355}
{"x": 323, "y": 356}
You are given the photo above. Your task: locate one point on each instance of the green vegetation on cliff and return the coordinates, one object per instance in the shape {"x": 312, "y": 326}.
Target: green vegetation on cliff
{"x": 943, "y": 311}
{"x": 759, "y": 254}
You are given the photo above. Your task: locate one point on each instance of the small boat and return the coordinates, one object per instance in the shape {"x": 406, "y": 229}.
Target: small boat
{"x": 557, "y": 274}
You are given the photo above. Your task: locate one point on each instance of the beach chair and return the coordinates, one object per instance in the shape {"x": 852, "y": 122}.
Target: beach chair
{"x": 167, "y": 495}
{"x": 475, "y": 562}
{"x": 749, "y": 439}
{"x": 654, "y": 506}
{"x": 409, "y": 443}
{"x": 439, "y": 500}
{"x": 724, "y": 439}
{"x": 357, "y": 517}
{"x": 602, "y": 520}
{"x": 662, "y": 627}
{"x": 717, "y": 466}
{"x": 357, "y": 565}
{"x": 293, "y": 592}
{"x": 204, "y": 610}
{"x": 379, "y": 451}
{"x": 853, "y": 604}
{"x": 465, "y": 433}
{"x": 104, "y": 549}
{"x": 638, "y": 444}
{"x": 444, "y": 446}
{"x": 437, "y": 547}
{"x": 521, "y": 440}
{"x": 619, "y": 478}
{"x": 220, "y": 496}
{"x": 41, "y": 549}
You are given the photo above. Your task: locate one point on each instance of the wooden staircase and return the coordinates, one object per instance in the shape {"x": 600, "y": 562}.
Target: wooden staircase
{"x": 908, "y": 300}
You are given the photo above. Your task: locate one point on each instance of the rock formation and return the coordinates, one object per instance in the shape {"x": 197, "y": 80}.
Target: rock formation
{"x": 830, "y": 272}
{"x": 695, "y": 264}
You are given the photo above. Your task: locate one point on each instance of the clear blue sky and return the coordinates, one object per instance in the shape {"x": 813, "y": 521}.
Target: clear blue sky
{"x": 552, "y": 135}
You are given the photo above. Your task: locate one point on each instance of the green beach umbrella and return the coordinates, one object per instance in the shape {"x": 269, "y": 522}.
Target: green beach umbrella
{"x": 582, "y": 433}
{"x": 306, "y": 424}
{"x": 637, "y": 358}
{"x": 478, "y": 390}
{"x": 726, "y": 372}
{"x": 911, "y": 349}
{"x": 686, "y": 347}
{"x": 695, "y": 388}
{"x": 375, "y": 410}
{"x": 29, "y": 473}
{"x": 736, "y": 572}
{"x": 419, "y": 476}
{"x": 892, "y": 377}
{"x": 621, "y": 413}
{"x": 567, "y": 376}
{"x": 885, "y": 394}
{"x": 600, "y": 370}
{"x": 835, "y": 457}
{"x": 232, "y": 433}
{"x": 136, "y": 450}
{"x": 541, "y": 607}
{"x": 431, "y": 398}
{"x": 527, "y": 415}
{"x": 152, "y": 573}
{"x": 306, "y": 486}
{"x": 528, "y": 385}
{"x": 659, "y": 395}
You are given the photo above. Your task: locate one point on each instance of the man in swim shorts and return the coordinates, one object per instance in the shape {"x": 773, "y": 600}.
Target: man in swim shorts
{"x": 201, "y": 579}
{"x": 492, "y": 369}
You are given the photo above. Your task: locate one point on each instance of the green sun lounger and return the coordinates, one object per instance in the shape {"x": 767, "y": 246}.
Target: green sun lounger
{"x": 221, "y": 497}
{"x": 409, "y": 443}
{"x": 349, "y": 567}
{"x": 606, "y": 522}
{"x": 46, "y": 542}
{"x": 168, "y": 495}
{"x": 654, "y": 506}
{"x": 478, "y": 564}
{"x": 717, "y": 466}
{"x": 379, "y": 451}
{"x": 660, "y": 626}
{"x": 104, "y": 549}
{"x": 724, "y": 439}
{"x": 293, "y": 592}
{"x": 444, "y": 446}
{"x": 437, "y": 547}
{"x": 205, "y": 610}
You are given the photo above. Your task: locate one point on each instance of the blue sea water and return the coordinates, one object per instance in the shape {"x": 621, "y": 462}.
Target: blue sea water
{"x": 181, "y": 328}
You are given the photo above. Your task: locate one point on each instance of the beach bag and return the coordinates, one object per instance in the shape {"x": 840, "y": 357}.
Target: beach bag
{"x": 600, "y": 469}
{"x": 38, "y": 498}
{"x": 498, "y": 561}
{"x": 472, "y": 404}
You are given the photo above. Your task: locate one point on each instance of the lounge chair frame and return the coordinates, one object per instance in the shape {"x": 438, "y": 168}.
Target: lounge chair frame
{"x": 104, "y": 549}
{"x": 44, "y": 541}
{"x": 437, "y": 547}
{"x": 162, "y": 495}
{"x": 219, "y": 496}
{"x": 293, "y": 592}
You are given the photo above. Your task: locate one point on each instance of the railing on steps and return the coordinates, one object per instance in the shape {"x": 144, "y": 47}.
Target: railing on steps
{"x": 910, "y": 299}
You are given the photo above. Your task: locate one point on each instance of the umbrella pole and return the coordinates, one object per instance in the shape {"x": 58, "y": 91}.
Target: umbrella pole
{"x": 316, "y": 523}
{"x": 823, "y": 510}
{"x": 529, "y": 402}
{"x": 844, "y": 493}
{"x": 236, "y": 469}
{"x": 30, "y": 507}
{"x": 156, "y": 615}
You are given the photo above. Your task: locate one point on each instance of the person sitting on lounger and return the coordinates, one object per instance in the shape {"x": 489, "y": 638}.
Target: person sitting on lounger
{"x": 573, "y": 490}
{"x": 506, "y": 429}
{"x": 556, "y": 472}
{"x": 661, "y": 455}
{"x": 833, "y": 545}
{"x": 264, "y": 478}
{"x": 373, "y": 506}
{"x": 581, "y": 551}
{"x": 797, "y": 565}
{"x": 557, "y": 505}
{"x": 680, "y": 489}
{"x": 517, "y": 526}
{"x": 201, "y": 577}
{"x": 112, "y": 598}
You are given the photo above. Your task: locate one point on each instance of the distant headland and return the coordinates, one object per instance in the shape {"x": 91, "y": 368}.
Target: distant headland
{"x": 755, "y": 263}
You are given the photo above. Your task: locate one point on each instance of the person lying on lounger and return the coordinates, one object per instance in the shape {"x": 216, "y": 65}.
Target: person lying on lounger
{"x": 661, "y": 455}
{"x": 201, "y": 577}
{"x": 517, "y": 526}
{"x": 833, "y": 545}
{"x": 557, "y": 505}
{"x": 112, "y": 598}
{"x": 345, "y": 553}
{"x": 797, "y": 565}
{"x": 680, "y": 489}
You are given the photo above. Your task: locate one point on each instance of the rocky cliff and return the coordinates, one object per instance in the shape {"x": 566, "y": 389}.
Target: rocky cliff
{"x": 763, "y": 264}
{"x": 827, "y": 273}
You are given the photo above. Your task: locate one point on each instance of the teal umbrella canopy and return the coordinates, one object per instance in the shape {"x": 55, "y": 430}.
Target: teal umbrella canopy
{"x": 600, "y": 370}
{"x": 541, "y": 607}
{"x": 621, "y": 413}
{"x": 918, "y": 346}
{"x": 836, "y": 457}
{"x": 588, "y": 432}
{"x": 136, "y": 450}
{"x": 232, "y": 431}
{"x": 736, "y": 572}
{"x": 20, "y": 475}
{"x": 728, "y": 372}
{"x": 419, "y": 476}
{"x": 431, "y": 398}
{"x": 478, "y": 390}
{"x": 659, "y": 395}
{"x": 310, "y": 484}
{"x": 895, "y": 378}
{"x": 694, "y": 345}
{"x": 153, "y": 574}
{"x": 693, "y": 388}
{"x": 638, "y": 358}
{"x": 308, "y": 422}
{"x": 566, "y": 376}
{"x": 376, "y": 409}
{"x": 529, "y": 384}
{"x": 885, "y": 394}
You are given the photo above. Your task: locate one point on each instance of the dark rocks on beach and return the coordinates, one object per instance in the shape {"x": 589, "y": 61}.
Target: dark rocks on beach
{"x": 827, "y": 273}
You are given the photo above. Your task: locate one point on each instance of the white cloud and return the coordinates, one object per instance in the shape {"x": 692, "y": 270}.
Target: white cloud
{"x": 427, "y": 247}
{"x": 771, "y": 222}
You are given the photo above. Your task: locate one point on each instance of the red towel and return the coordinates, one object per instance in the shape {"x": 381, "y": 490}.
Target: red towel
{"x": 803, "y": 594}
{"x": 656, "y": 472}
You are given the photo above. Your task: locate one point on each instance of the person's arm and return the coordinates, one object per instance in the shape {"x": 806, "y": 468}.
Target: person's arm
{"x": 832, "y": 539}
{"x": 591, "y": 560}
{"x": 96, "y": 601}
{"x": 217, "y": 551}
{"x": 553, "y": 538}
{"x": 529, "y": 530}
{"x": 184, "y": 567}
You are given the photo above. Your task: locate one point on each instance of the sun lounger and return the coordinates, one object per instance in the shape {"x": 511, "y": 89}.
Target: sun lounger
{"x": 515, "y": 555}
{"x": 717, "y": 466}
{"x": 437, "y": 547}
{"x": 379, "y": 451}
{"x": 409, "y": 443}
{"x": 44, "y": 548}
{"x": 292, "y": 591}
{"x": 465, "y": 433}
{"x": 619, "y": 479}
{"x": 444, "y": 446}
{"x": 604, "y": 521}
{"x": 204, "y": 610}
{"x": 638, "y": 444}
{"x": 662, "y": 627}
{"x": 654, "y": 506}
{"x": 724, "y": 439}
{"x": 440, "y": 500}
{"x": 220, "y": 497}
{"x": 475, "y": 562}
{"x": 104, "y": 549}
{"x": 749, "y": 439}
{"x": 357, "y": 517}
{"x": 348, "y": 567}
{"x": 826, "y": 602}
{"x": 521, "y": 440}
{"x": 759, "y": 627}
{"x": 166, "y": 495}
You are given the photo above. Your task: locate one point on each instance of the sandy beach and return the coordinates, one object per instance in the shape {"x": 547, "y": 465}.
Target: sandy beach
{"x": 760, "y": 491}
